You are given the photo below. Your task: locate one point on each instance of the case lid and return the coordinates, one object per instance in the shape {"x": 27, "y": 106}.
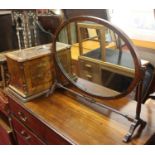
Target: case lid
{"x": 34, "y": 52}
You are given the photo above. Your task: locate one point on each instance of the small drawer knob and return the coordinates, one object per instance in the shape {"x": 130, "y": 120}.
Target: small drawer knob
{"x": 89, "y": 76}
{"x": 25, "y": 135}
{"x": 22, "y": 117}
{"x": 88, "y": 66}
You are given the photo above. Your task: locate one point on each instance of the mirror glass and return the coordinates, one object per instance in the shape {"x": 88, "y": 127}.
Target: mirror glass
{"x": 95, "y": 58}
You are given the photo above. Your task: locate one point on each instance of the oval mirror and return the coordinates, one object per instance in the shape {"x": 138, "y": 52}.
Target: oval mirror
{"x": 96, "y": 57}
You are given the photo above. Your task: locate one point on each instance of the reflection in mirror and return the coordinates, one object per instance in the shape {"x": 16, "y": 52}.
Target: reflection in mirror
{"x": 96, "y": 59}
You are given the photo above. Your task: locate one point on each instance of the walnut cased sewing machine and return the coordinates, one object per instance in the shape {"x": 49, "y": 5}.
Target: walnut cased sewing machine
{"x": 31, "y": 70}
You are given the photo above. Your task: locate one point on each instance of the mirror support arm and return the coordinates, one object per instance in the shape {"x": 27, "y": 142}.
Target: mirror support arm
{"x": 138, "y": 108}
{"x": 138, "y": 121}
{"x": 90, "y": 100}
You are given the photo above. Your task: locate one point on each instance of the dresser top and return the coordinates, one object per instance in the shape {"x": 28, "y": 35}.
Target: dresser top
{"x": 79, "y": 124}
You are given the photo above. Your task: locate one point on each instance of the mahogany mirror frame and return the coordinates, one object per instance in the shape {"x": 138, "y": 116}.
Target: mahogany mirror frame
{"x": 138, "y": 68}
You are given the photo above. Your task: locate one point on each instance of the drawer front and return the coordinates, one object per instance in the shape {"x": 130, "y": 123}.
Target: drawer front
{"x": 24, "y": 135}
{"x": 89, "y": 66}
{"x": 5, "y": 135}
{"x": 33, "y": 123}
{"x": 89, "y": 71}
{"x": 20, "y": 140}
{"x": 4, "y": 104}
{"x": 4, "y": 108}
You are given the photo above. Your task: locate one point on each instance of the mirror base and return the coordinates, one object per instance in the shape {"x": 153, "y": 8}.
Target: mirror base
{"x": 132, "y": 129}
{"x": 52, "y": 89}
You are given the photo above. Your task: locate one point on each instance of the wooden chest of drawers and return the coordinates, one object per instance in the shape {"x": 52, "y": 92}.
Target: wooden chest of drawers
{"x": 24, "y": 135}
{"x": 60, "y": 119}
{"x": 31, "y": 130}
{"x": 4, "y": 104}
{"x": 30, "y": 70}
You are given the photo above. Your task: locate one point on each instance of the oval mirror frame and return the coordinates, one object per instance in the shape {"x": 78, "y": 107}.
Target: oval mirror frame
{"x": 119, "y": 32}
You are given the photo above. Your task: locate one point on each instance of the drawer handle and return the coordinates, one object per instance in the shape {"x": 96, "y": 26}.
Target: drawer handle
{"x": 43, "y": 64}
{"x": 22, "y": 116}
{"x": 25, "y": 135}
{"x": 88, "y": 66}
{"x": 38, "y": 76}
{"x": 89, "y": 76}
